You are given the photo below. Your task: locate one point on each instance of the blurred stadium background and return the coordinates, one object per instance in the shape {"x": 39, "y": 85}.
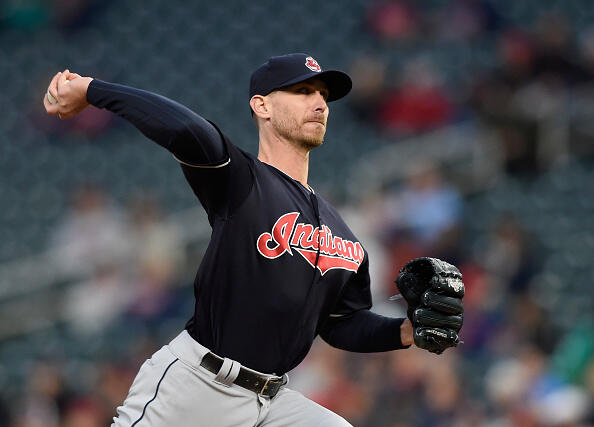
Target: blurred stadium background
{"x": 468, "y": 136}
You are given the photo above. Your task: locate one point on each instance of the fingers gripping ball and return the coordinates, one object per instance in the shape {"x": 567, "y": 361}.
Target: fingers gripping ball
{"x": 433, "y": 290}
{"x": 50, "y": 98}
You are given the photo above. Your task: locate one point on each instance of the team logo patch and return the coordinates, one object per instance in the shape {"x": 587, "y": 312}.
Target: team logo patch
{"x": 312, "y": 64}
{"x": 287, "y": 236}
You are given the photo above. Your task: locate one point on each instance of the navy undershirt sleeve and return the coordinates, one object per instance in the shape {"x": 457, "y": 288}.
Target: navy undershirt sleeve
{"x": 191, "y": 138}
{"x": 364, "y": 332}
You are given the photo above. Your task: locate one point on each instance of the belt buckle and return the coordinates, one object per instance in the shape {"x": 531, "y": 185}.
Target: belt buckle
{"x": 271, "y": 387}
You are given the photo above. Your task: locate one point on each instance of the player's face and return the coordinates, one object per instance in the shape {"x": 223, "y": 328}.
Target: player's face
{"x": 300, "y": 112}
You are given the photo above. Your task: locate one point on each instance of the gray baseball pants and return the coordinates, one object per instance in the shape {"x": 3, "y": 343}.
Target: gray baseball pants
{"x": 173, "y": 390}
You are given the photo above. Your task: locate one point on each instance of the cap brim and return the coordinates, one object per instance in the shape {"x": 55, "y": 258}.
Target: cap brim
{"x": 339, "y": 83}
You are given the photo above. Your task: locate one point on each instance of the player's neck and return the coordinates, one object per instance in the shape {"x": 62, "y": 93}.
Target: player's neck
{"x": 286, "y": 156}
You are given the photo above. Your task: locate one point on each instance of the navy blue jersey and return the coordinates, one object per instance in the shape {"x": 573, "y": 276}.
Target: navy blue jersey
{"x": 280, "y": 262}
{"x": 281, "y": 266}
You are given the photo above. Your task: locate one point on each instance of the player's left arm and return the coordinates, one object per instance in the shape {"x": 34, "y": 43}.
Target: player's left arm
{"x": 367, "y": 332}
{"x": 353, "y": 327}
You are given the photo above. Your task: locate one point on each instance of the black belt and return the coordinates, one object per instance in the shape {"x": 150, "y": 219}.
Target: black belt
{"x": 264, "y": 385}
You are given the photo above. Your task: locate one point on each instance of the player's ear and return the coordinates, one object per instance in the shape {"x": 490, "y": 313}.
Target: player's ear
{"x": 260, "y": 106}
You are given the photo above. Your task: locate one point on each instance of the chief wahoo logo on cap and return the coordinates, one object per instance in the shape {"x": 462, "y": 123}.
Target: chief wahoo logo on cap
{"x": 312, "y": 64}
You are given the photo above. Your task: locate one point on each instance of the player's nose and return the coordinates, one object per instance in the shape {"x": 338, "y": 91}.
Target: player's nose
{"x": 320, "y": 102}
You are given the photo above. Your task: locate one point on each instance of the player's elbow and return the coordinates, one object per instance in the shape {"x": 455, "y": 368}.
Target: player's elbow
{"x": 331, "y": 333}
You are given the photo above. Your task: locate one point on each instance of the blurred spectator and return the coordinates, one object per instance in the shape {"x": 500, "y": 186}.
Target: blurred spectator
{"x": 94, "y": 304}
{"x": 532, "y": 324}
{"x": 526, "y": 393}
{"x": 397, "y": 389}
{"x": 44, "y": 398}
{"x": 93, "y": 233}
{"x": 526, "y": 100}
{"x": 393, "y": 20}
{"x": 159, "y": 256}
{"x": 112, "y": 388}
{"x": 496, "y": 98}
{"x": 152, "y": 238}
{"x": 466, "y": 19}
{"x": 84, "y": 412}
{"x": 72, "y": 15}
{"x": 154, "y": 298}
{"x": 369, "y": 80}
{"x": 556, "y": 60}
{"x": 419, "y": 219}
{"x": 442, "y": 394}
{"x": 586, "y": 50}
{"x": 509, "y": 384}
{"x": 327, "y": 382}
{"x": 419, "y": 102}
{"x": 482, "y": 314}
{"x": 426, "y": 206}
{"x": 508, "y": 256}
{"x": 566, "y": 406}
{"x": 450, "y": 244}
{"x": 5, "y": 413}
{"x": 575, "y": 354}
{"x": 515, "y": 55}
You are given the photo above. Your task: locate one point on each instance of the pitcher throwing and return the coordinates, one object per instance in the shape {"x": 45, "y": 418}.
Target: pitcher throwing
{"x": 281, "y": 268}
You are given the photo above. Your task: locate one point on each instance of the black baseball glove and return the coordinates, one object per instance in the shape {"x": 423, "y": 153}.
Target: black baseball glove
{"x": 433, "y": 290}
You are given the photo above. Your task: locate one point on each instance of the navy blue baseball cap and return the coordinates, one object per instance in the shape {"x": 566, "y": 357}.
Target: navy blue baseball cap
{"x": 282, "y": 71}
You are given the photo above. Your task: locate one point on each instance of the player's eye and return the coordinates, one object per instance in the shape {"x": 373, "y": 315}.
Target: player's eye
{"x": 305, "y": 90}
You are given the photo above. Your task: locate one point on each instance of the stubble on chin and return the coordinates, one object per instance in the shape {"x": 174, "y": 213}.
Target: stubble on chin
{"x": 311, "y": 140}
{"x": 299, "y": 134}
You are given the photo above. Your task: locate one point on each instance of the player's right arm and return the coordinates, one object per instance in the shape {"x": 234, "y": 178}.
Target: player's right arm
{"x": 216, "y": 170}
{"x": 191, "y": 138}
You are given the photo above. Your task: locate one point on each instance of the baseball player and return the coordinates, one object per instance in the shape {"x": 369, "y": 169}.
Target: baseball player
{"x": 281, "y": 268}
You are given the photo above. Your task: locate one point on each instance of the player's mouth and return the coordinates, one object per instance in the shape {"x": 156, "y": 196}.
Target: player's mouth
{"x": 320, "y": 121}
